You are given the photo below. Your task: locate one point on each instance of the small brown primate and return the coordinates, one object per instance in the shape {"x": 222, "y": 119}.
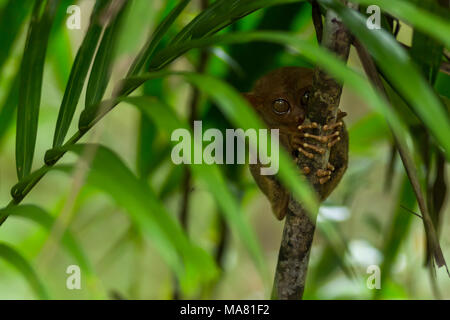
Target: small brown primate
{"x": 280, "y": 98}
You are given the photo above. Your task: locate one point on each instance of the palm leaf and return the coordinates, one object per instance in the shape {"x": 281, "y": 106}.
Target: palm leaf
{"x": 101, "y": 68}
{"x": 13, "y": 257}
{"x": 78, "y": 74}
{"x": 30, "y": 83}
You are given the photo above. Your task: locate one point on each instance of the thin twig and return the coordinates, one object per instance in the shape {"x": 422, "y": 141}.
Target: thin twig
{"x": 193, "y": 106}
{"x": 430, "y": 232}
{"x": 187, "y": 177}
{"x": 410, "y": 211}
{"x": 317, "y": 20}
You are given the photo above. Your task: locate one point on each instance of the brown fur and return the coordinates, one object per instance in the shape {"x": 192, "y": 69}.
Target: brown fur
{"x": 290, "y": 84}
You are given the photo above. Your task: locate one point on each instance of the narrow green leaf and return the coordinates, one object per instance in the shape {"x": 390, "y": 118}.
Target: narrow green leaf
{"x": 172, "y": 182}
{"x": 446, "y": 101}
{"x": 427, "y": 52}
{"x": 102, "y": 67}
{"x": 60, "y": 47}
{"x": 138, "y": 12}
{"x": 13, "y": 257}
{"x": 421, "y": 19}
{"x": 398, "y": 67}
{"x": 430, "y": 231}
{"x": 61, "y": 57}
{"x": 367, "y": 133}
{"x": 191, "y": 264}
{"x": 78, "y": 74}
{"x": 45, "y": 220}
{"x": 147, "y": 51}
{"x": 166, "y": 120}
{"x": 219, "y": 15}
{"x": 31, "y": 73}
{"x": 399, "y": 227}
{"x": 8, "y": 108}
{"x": 321, "y": 274}
{"x": 145, "y": 146}
{"x": 151, "y": 152}
{"x": 442, "y": 85}
{"x": 12, "y": 17}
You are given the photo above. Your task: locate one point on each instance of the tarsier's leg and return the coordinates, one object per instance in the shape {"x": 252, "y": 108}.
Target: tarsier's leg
{"x": 274, "y": 191}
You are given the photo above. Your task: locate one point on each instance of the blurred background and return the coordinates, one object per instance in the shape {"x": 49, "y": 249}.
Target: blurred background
{"x": 364, "y": 209}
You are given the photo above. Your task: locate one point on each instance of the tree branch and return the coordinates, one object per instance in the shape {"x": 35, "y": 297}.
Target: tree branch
{"x": 299, "y": 227}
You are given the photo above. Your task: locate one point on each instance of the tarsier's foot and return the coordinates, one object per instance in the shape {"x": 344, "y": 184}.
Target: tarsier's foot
{"x": 321, "y": 144}
{"x": 325, "y": 175}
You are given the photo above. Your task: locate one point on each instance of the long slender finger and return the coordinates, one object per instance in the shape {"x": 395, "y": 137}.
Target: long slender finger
{"x": 332, "y": 143}
{"x": 313, "y": 125}
{"x": 314, "y": 148}
{"x": 324, "y": 180}
{"x": 315, "y": 137}
{"x": 323, "y": 173}
{"x": 306, "y": 153}
{"x": 332, "y": 126}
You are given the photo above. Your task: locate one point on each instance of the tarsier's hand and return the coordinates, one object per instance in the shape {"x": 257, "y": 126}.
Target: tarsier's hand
{"x": 280, "y": 98}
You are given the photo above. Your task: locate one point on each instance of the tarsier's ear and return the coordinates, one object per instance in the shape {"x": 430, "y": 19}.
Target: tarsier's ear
{"x": 255, "y": 100}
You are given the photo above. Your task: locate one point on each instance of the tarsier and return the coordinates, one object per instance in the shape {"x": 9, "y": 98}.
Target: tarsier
{"x": 281, "y": 98}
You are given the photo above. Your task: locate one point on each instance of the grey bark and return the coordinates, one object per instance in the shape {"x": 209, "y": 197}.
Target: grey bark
{"x": 298, "y": 233}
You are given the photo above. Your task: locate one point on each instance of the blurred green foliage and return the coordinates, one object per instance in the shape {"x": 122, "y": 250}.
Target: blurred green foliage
{"x": 117, "y": 215}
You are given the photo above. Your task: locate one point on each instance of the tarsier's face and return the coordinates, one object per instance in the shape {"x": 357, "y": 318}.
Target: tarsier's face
{"x": 281, "y": 97}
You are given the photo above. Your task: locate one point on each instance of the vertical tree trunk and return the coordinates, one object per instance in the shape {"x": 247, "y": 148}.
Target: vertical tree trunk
{"x": 299, "y": 227}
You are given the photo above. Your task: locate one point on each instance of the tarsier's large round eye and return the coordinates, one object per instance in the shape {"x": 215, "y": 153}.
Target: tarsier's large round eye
{"x": 281, "y": 106}
{"x": 305, "y": 98}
